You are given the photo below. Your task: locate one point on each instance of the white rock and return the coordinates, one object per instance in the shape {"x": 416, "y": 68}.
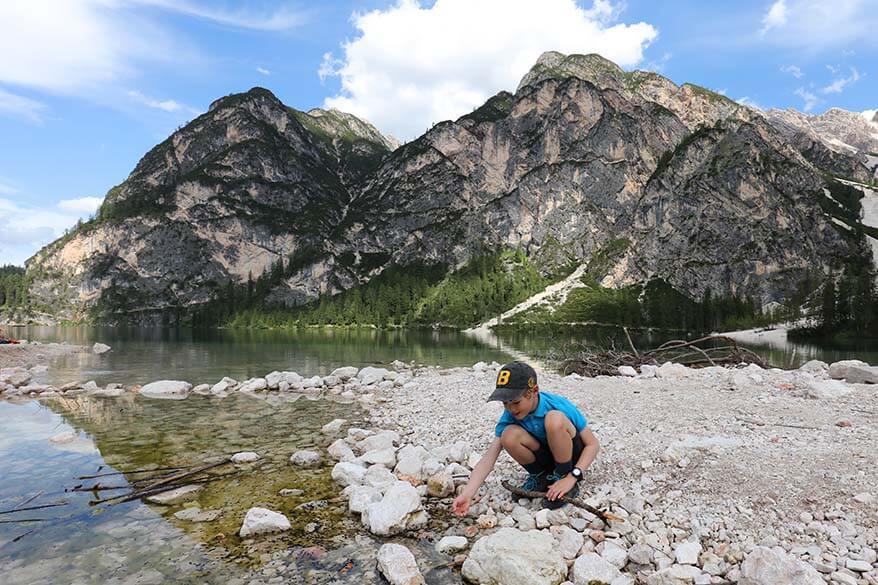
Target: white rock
{"x": 459, "y": 451}
{"x": 370, "y": 375}
{"x": 839, "y": 370}
{"x": 100, "y": 348}
{"x": 814, "y": 367}
{"x": 687, "y": 553}
{"x": 263, "y": 521}
{"x": 175, "y": 496}
{"x": 170, "y": 389}
{"x": 274, "y": 379}
{"x": 344, "y": 373}
{"x": 63, "y": 437}
{"x": 827, "y": 389}
{"x": 614, "y": 554}
{"x": 512, "y": 556}
{"x": 253, "y": 385}
{"x": 410, "y": 461}
{"x": 674, "y": 575}
{"x": 672, "y": 370}
{"x": 360, "y": 496}
{"x": 451, "y": 544}
{"x": 223, "y": 386}
{"x": 569, "y": 541}
{"x": 398, "y": 565}
{"x": 480, "y": 367}
{"x": 306, "y": 459}
{"x": 201, "y": 389}
{"x": 312, "y": 382}
{"x": 379, "y": 477}
{"x": 641, "y": 554}
{"x": 440, "y": 485}
{"x": 765, "y": 566}
{"x": 648, "y": 371}
{"x": 341, "y": 451}
{"x": 346, "y": 473}
{"x": 332, "y": 428}
{"x": 862, "y": 375}
{"x": 385, "y": 457}
{"x": 378, "y": 441}
{"x": 331, "y": 381}
{"x": 590, "y": 567}
{"x": 627, "y": 371}
{"x": 394, "y": 512}
{"x": 245, "y": 457}
{"x": 865, "y": 498}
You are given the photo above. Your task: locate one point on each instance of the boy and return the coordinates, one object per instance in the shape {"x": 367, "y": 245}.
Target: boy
{"x": 545, "y": 433}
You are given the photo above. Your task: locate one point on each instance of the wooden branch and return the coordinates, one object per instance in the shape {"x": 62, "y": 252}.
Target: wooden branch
{"x": 130, "y": 472}
{"x": 64, "y": 503}
{"x": 631, "y": 343}
{"x": 29, "y": 500}
{"x": 24, "y": 520}
{"x": 604, "y": 516}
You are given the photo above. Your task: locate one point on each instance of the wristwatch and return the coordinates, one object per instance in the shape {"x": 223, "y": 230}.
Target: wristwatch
{"x": 577, "y": 473}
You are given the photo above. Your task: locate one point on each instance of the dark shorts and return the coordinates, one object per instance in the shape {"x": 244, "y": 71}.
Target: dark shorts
{"x": 545, "y": 459}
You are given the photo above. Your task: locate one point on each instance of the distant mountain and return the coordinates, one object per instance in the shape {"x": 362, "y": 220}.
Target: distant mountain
{"x": 585, "y": 163}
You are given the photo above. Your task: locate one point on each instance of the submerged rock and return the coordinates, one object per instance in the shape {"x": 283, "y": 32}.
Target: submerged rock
{"x": 245, "y": 457}
{"x": 174, "y": 496}
{"x": 398, "y": 565}
{"x": 512, "y": 556}
{"x": 306, "y": 459}
{"x": 263, "y": 521}
{"x": 169, "y": 389}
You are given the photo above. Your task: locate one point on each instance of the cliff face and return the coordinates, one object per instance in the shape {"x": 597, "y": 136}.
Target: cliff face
{"x": 678, "y": 182}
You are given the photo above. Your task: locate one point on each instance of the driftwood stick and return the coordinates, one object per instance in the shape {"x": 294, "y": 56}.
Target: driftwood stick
{"x": 63, "y": 503}
{"x": 176, "y": 477}
{"x": 164, "y": 486}
{"x": 631, "y": 343}
{"x": 130, "y": 472}
{"x": 770, "y": 424}
{"x": 20, "y": 536}
{"x": 22, "y": 520}
{"x": 28, "y": 501}
{"x": 579, "y": 504}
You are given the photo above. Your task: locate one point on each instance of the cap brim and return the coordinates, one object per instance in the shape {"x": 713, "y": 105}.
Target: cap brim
{"x": 506, "y": 394}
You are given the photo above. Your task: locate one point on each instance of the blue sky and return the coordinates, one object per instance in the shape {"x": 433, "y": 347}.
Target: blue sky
{"x": 88, "y": 86}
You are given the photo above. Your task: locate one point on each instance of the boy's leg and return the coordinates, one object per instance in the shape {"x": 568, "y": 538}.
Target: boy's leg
{"x": 521, "y": 446}
{"x": 560, "y": 433}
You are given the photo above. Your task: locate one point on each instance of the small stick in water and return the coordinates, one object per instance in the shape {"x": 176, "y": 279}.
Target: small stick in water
{"x": 64, "y": 503}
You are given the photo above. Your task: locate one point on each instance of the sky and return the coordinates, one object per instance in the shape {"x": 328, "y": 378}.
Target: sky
{"x": 87, "y": 87}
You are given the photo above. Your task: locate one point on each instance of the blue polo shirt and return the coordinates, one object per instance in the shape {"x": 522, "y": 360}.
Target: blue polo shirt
{"x": 535, "y": 422}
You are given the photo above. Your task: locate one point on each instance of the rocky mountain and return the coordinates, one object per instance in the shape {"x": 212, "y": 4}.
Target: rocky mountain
{"x": 583, "y": 162}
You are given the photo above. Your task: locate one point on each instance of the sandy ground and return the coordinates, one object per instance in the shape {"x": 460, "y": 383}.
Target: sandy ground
{"x": 745, "y": 447}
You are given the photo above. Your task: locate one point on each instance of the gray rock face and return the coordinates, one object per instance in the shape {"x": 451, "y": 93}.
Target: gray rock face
{"x": 678, "y": 182}
{"x": 512, "y": 556}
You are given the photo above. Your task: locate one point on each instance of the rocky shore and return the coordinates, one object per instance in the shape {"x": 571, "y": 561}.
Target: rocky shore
{"x": 746, "y": 475}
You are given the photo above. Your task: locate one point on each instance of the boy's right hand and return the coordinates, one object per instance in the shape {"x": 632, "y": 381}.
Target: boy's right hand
{"x": 460, "y": 506}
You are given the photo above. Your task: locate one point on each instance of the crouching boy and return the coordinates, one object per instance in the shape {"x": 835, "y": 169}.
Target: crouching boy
{"x": 543, "y": 432}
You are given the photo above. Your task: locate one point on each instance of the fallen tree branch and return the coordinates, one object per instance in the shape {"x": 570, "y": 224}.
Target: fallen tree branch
{"x": 136, "y": 471}
{"x": 53, "y": 505}
{"x": 604, "y": 516}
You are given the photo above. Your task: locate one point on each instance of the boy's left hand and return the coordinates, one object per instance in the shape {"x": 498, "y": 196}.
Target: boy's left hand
{"x": 561, "y": 487}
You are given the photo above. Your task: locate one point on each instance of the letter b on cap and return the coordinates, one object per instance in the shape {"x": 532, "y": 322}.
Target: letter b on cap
{"x": 503, "y": 377}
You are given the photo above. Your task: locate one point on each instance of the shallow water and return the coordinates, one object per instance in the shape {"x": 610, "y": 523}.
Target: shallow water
{"x": 137, "y": 542}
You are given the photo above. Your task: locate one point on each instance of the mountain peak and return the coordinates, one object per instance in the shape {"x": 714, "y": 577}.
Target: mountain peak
{"x": 345, "y": 125}
{"x": 555, "y": 65}
{"x": 252, "y": 95}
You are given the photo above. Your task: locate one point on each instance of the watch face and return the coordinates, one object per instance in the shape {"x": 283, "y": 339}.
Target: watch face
{"x": 577, "y": 473}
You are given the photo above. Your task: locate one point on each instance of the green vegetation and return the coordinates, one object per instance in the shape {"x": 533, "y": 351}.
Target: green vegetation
{"x": 665, "y": 159}
{"x": 411, "y": 295}
{"x": 710, "y": 95}
{"x": 496, "y": 108}
{"x": 656, "y": 304}
{"x": 14, "y": 285}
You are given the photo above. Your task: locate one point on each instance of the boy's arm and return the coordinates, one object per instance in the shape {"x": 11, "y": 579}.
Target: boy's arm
{"x": 590, "y": 452}
{"x": 477, "y": 477}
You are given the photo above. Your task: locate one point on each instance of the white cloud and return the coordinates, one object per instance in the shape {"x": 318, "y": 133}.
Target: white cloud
{"x": 25, "y": 229}
{"x": 816, "y": 25}
{"x": 18, "y": 106}
{"x": 811, "y": 100}
{"x": 792, "y": 70}
{"x": 776, "y": 16}
{"x": 746, "y": 101}
{"x": 165, "y": 105}
{"x": 281, "y": 19}
{"x": 83, "y": 205}
{"x": 438, "y": 62}
{"x": 263, "y": 71}
{"x": 838, "y": 85}
{"x": 10, "y": 190}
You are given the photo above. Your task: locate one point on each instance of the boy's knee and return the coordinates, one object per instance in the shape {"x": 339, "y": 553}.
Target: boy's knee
{"x": 556, "y": 421}
{"x": 514, "y": 435}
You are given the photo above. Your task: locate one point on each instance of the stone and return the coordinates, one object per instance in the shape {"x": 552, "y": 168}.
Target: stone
{"x": 569, "y": 541}
{"x": 858, "y": 565}
{"x": 672, "y": 371}
{"x": 100, "y": 348}
{"x": 379, "y": 476}
{"x": 410, "y": 460}
{"x": 223, "y": 386}
{"x": 827, "y": 389}
{"x": 641, "y": 554}
{"x": 512, "y": 556}
{"x": 195, "y": 514}
{"x": 370, "y": 375}
{"x": 245, "y": 457}
{"x": 378, "y": 441}
{"x": 360, "y": 496}
{"x": 385, "y": 457}
{"x": 460, "y": 451}
{"x": 347, "y": 473}
{"x": 648, "y": 371}
{"x": 398, "y": 565}
{"x": 344, "y": 373}
{"x": 440, "y": 485}
{"x": 627, "y": 371}
{"x": 393, "y": 514}
{"x": 63, "y": 437}
{"x": 168, "y": 389}
{"x": 341, "y": 451}
{"x": 674, "y": 575}
{"x": 864, "y": 498}
{"x": 263, "y": 521}
{"x": 614, "y": 554}
{"x": 451, "y": 544}
{"x": 590, "y": 567}
{"x": 201, "y": 389}
{"x": 862, "y": 375}
{"x": 687, "y": 553}
{"x": 306, "y": 458}
{"x": 814, "y": 367}
{"x": 765, "y": 566}
{"x": 174, "y": 496}
{"x": 253, "y": 385}
{"x": 312, "y": 382}
{"x": 839, "y": 370}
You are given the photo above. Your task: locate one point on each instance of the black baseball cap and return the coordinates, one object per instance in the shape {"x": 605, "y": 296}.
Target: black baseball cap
{"x": 513, "y": 380}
